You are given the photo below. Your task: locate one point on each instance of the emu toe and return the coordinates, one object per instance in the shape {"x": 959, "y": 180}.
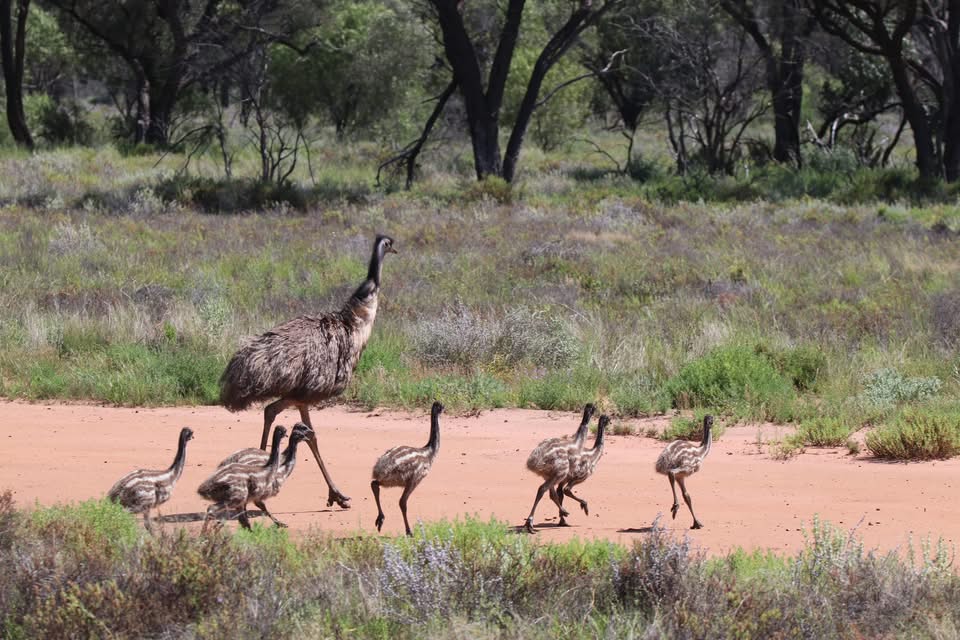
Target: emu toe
{"x": 697, "y": 525}
{"x": 379, "y": 522}
{"x": 528, "y": 526}
{"x": 339, "y": 498}
{"x": 674, "y": 509}
{"x": 562, "y": 522}
{"x": 583, "y": 505}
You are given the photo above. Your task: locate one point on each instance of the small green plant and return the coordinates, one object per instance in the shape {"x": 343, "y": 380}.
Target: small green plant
{"x": 733, "y": 377}
{"x": 889, "y": 387}
{"x": 824, "y": 432}
{"x": 690, "y": 428}
{"x": 917, "y": 434}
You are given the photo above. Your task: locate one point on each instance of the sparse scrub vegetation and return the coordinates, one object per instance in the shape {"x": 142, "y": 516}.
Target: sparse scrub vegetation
{"x": 116, "y": 288}
{"x": 468, "y": 576}
{"x": 918, "y": 433}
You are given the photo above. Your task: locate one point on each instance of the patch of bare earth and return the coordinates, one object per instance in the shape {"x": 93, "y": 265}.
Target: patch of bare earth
{"x": 743, "y": 495}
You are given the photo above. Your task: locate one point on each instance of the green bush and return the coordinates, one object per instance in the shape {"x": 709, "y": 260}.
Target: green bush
{"x": 732, "y": 377}
{"x": 684, "y": 428}
{"x": 918, "y": 434}
{"x": 824, "y": 432}
{"x": 889, "y": 387}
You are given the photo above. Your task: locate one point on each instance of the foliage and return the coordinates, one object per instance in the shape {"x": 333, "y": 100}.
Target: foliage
{"x": 730, "y": 377}
{"x": 889, "y": 387}
{"x": 918, "y": 434}
{"x": 467, "y": 576}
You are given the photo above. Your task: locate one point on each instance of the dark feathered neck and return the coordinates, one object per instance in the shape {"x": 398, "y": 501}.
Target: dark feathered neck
{"x": 369, "y": 287}
{"x": 434, "y": 443}
{"x": 181, "y": 458}
{"x": 290, "y": 453}
{"x": 601, "y": 432}
{"x": 274, "y": 448}
{"x": 581, "y": 432}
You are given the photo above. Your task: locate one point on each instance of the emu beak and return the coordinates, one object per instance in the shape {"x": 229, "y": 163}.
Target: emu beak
{"x": 392, "y": 250}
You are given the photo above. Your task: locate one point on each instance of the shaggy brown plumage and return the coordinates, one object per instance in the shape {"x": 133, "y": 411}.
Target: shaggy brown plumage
{"x": 683, "y": 458}
{"x": 406, "y": 467}
{"x": 259, "y": 457}
{"x": 307, "y": 360}
{"x": 233, "y": 486}
{"x": 551, "y": 461}
{"x": 582, "y": 466}
{"x": 142, "y": 490}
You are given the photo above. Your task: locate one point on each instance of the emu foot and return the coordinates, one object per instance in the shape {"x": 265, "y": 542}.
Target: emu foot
{"x": 339, "y": 498}
{"x": 562, "y": 522}
{"x": 280, "y": 525}
{"x": 528, "y": 526}
{"x": 563, "y": 512}
{"x": 379, "y": 522}
{"x": 674, "y": 509}
{"x": 697, "y": 525}
{"x": 583, "y": 505}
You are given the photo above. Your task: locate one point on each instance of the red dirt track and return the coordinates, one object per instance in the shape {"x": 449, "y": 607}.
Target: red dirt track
{"x": 744, "y": 497}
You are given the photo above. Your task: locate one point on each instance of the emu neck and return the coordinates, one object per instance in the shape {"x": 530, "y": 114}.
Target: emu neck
{"x": 434, "y": 443}
{"x": 180, "y": 459}
{"x": 274, "y": 459}
{"x": 707, "y": 441}
{"x": 290, "y": 454}
{"x": 581, "y": 433}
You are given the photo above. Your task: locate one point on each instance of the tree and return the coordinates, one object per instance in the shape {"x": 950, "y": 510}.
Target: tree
{"x": 171, "y": 46}
{"x": 13, "y": 54}
{"x": 483, "y": 100}
{"x": 920, "y": 41}
{"x": 780, "y": 29}
{"x": 629, "y": 65}
{"x": 707, "y": 86}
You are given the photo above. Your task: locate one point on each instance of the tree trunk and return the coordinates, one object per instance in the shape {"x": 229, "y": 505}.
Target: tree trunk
{"x": 13, "y": 54}
{"x": 915, "y": 114}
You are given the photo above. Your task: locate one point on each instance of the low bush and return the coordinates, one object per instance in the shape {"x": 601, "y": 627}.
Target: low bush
{"x": 920, "y": 433}
{"x": 733, "y": 377}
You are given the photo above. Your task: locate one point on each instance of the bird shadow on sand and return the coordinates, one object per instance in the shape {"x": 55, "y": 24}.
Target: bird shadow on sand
{"x": 200, "y": 515}
{"x": 635, "y": 530}
{"x": 522, "y": 528}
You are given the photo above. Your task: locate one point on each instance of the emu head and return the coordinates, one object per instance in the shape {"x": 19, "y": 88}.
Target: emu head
{"x": 383, "y": 245}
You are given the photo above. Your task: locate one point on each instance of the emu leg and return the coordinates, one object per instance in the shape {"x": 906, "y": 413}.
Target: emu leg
{"x": 146, "y": 521}
{"x": 583, "y": 503}
{"x": 334, "y": 494}
{"x": 375, "y": 486}
{"x": 263, "y": 507}
{"x": 270, "y": 413}
{"x": 549, "y": 484}
{"x": 560, "y": 490}
{"x": 407, "y": 490}
{"x": 686, "y": 498}
{"x": 244, "y": 520}
{"x": 676, "y": 505}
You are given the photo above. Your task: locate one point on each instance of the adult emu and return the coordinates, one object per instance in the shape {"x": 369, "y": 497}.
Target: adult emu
{"x": 306, "y": 361}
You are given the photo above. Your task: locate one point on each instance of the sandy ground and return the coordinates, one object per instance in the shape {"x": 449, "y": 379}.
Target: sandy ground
{"x": 744, "y": 497}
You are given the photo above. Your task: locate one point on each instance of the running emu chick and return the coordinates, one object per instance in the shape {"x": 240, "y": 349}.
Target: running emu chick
{"x": 306, "y": 361}
{"x": 406, "y": 467}
{"x": 259, "y": 457}
{"x": 232, "y": 487}
{"x": 681, "y": 459}
{"x": 142, "y": 490}
{"x": 582, "y": 467}
{"x": 551, "y": 461}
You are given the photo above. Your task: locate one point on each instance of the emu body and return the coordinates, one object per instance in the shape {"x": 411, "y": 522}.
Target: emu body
{"x": 551, "y": 461}
{"x": 142, "y": 490}
{"x": 682, "y": 459}
{"x": 306, "y": 361}
{"x": 582, "y": 466}
{"x": 406, "y": 467}
{"x": 233, "y": 486}
{"x": 259, "y": 457}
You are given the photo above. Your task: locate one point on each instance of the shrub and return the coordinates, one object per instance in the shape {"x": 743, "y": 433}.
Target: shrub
{"x": 918, "y": 434}
{"x": 691, "y": 428}
{"x": 888, "y": 388}
{"x": 824, "y": 432}
{"x": 730, "y": 377}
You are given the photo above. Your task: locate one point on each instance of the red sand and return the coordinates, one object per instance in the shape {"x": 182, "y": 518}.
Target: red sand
{"x": 744, "y": 497}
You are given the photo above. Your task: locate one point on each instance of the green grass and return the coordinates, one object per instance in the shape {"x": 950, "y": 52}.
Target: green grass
{"x": 462, "y": 578}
